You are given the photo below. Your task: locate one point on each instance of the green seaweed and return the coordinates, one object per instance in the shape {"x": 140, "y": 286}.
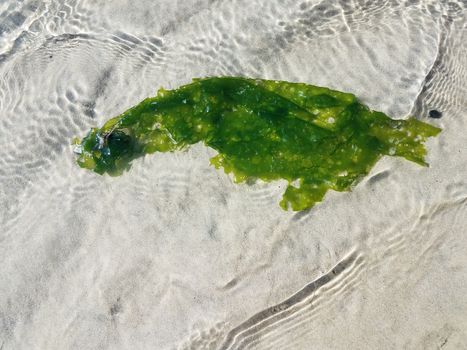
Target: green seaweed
{"x": 315, "y": 138}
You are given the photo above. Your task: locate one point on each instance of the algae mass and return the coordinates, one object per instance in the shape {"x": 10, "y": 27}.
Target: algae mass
{"x": 315, "y": 138}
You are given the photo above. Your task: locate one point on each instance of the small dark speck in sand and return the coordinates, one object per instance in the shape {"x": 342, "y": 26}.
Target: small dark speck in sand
{"x": 435, "y": 114}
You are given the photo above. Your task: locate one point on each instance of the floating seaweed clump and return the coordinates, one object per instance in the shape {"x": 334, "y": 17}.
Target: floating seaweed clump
{"x": 315, "y": 138}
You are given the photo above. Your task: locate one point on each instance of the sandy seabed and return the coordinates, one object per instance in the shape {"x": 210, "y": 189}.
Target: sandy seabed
{"x": 173, "y": 254}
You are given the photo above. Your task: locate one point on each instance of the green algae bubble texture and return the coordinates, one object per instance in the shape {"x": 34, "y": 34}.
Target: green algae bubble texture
{"x": 315, "y": 138}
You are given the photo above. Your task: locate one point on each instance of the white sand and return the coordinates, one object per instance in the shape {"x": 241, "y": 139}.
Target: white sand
{"x": 173, "y": 254}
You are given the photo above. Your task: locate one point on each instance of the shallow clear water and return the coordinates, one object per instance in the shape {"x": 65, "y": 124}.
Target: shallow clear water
{"x": 173, "y": 254}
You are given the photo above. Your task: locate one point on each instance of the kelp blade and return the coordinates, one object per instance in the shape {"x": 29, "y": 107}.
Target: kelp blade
{"x": 315, "y": 138}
